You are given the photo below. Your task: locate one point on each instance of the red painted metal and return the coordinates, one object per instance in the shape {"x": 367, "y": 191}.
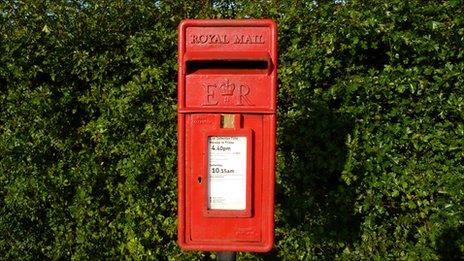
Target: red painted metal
{"x": 226, "y": 67}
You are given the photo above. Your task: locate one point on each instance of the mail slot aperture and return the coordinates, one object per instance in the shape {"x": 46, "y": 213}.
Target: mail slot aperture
{"x": 228, "y": 67}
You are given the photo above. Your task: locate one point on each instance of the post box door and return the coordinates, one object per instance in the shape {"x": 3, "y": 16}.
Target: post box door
{"x": 242, "y": 221}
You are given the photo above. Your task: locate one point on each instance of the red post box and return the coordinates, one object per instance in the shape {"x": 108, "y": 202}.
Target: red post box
{"x": 226, "y": 134}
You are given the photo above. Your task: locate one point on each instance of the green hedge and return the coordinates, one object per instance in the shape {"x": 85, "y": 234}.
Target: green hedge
{"x": 370, "y": 160}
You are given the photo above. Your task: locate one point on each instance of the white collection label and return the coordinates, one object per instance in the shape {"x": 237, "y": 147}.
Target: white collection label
{"x": 227, "y": 172}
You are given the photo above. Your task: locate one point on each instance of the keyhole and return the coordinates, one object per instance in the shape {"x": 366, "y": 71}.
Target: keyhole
{"x": 199, "y": 180}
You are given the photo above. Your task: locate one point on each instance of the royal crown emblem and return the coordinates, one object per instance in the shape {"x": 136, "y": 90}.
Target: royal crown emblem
{"x": 227, "y": 89}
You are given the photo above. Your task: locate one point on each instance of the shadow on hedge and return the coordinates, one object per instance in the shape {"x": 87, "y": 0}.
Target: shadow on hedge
{"x": 450, "y": 243}
{"x": 315, "y": 207}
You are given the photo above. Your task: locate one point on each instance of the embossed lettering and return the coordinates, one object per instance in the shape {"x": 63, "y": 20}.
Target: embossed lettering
{"x": 210, "y": 39}
{"x": 224, "y": 39}
{"x": 203, "y": 38}
{"x": 209, "y": 95}
{"x": 227, "y": 93}
{"x": 243, "y": 99}
{"x": 194, "y": 38}
{"x": 201, "y": 120}
{"x": 248, "y": 39}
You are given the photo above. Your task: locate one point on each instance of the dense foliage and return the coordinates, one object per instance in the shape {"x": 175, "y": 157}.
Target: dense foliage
{"x": 370, "y": 132}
